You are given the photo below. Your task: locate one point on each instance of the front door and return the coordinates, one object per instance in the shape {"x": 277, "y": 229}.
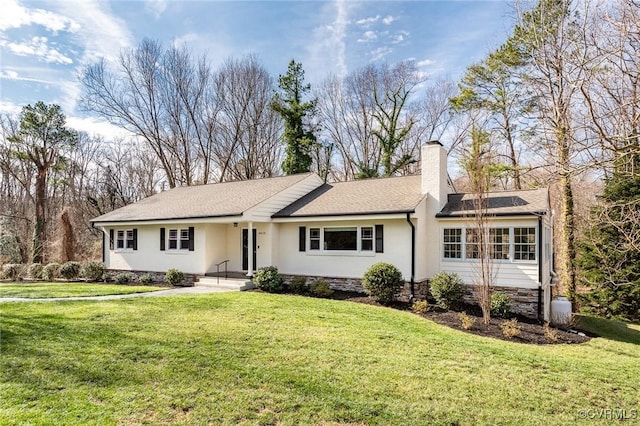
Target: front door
{"x": 245, "y": 249}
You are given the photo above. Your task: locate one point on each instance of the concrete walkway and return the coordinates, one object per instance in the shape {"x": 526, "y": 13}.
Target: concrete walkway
{"x": 159, "y": 293}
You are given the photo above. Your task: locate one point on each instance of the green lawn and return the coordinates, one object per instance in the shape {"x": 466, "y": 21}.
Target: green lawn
{"x": 58, "y": 289}
{"x": 254, "y": 358}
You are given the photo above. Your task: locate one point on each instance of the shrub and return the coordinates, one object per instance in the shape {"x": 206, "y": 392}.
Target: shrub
{"x": 550, "y": 333}
{"x": 268, "y": 279}
{"x": 174, "y": 276}
{"x": 93, "y": 271}
{"x": 321, "y": 288}
{"x": 500, "y": 305}
{"x": 298, "y": 285}
{"x": 12, "y": 271}
{"x": 382, "y": 281}
{"x": 448, "y": 289}
{"x": 70, "y": 270}
{"x": 420, "y": 306}
{"x": 51, "y": 271}
{"x": 466, "y": 321}
{"x": 123, "y": 278}
{"x": 35, "y": 271}
{"x": 145, "y": 278}
{"x": 510, "y": 328}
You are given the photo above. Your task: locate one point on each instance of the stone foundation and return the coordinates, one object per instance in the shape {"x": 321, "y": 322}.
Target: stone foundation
{"x": 336, "y": 283}
{"x": 158, "y": 277}
{"x": 524, "y": 301}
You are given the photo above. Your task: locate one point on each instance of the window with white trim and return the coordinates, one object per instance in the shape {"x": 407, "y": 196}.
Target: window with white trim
{"x": 341, "y": 239}
{"x": 178, "y": 239}
{"x": 125, "y": 239}
{"x": 366, "y": 238}
{"x": 524, "y": 243}
{"x": 472, "y": 243}
{"x": 499, "y": 243}
{"x": 452, "y": 248}
{"x": 314, "y": 239}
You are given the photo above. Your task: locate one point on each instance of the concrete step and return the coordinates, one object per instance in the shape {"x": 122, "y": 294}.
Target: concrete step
{"x": 227, "y": 283}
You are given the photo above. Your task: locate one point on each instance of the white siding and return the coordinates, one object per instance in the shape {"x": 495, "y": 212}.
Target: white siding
{"x": 397, "y": 251}
{"x": 263, "y": 211}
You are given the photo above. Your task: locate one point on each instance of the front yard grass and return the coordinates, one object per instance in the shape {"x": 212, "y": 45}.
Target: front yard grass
{"x": 73, "y": 289}
{"x": 255, "y": 358}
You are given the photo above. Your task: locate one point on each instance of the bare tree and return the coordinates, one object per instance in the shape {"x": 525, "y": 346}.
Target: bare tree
{"x": 248, "y": 129}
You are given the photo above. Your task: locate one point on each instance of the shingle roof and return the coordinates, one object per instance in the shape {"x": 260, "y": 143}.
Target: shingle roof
{"x": 369, "y": 196}
{"x": 503, "y": 203}
{"x": 211, "y": 200}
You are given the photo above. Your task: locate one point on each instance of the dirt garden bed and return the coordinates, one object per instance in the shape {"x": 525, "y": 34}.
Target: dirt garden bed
{"x": 531, "y": 331}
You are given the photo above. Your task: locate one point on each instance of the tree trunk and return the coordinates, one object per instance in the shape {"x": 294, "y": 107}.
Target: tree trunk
{"x": 567, "y": 233}
{"x": 39, "y": 234}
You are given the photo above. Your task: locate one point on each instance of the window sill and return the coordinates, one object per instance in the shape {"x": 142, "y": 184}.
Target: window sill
{"x": 340, "y": 253}
{"x": 178, "y": 252}
{"x": 124, "y": 251}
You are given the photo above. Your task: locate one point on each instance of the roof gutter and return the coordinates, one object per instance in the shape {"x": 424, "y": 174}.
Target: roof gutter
{"x": 540, "y": 319}
{"x": 413, "y": 257}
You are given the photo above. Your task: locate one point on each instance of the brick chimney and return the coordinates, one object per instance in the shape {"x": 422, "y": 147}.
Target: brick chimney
{"x": 434, "y": 172}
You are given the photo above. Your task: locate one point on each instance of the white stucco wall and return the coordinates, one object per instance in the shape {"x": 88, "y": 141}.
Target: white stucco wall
{"x": 149, "y": 257}
{"x": 346, "y": 264}
{"x": 509, "y": 273}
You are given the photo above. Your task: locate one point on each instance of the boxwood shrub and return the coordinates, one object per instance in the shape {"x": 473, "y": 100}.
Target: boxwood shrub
{"x": 269, "y": 280}
{"x": 383, "y": 282}
{"x": 448, "y": 289}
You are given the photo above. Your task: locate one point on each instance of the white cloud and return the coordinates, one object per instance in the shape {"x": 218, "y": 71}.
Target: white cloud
{"x": 9, "y": 107}
{"x": 38, "y": 47}
{"x": 329, "y": 46}
{"x": 367, "y": 37}
{"x": 380, "y": 53}
{"x": 425, "y": 63}
{"x": 101, "y": 34}
{"x": 97, "y": 126}
{"x": 15, "y": 16}
{"x": 368, "y": 21}
{"x": 398, "y": 38}
{"x": 387, "y": 20}
{"x": 156, "y": 7}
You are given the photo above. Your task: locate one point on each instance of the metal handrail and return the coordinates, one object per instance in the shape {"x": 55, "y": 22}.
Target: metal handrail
{"x": 225, "y": 262}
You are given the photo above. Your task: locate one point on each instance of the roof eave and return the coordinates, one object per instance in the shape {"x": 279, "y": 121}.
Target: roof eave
{"x": 500, "y": 214}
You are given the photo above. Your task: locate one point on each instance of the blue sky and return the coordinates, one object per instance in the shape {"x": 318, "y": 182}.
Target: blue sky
{"x": 45, "y": 44}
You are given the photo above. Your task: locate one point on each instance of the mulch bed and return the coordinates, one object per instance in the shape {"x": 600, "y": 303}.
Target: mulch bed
{"x": 531, "y": 331}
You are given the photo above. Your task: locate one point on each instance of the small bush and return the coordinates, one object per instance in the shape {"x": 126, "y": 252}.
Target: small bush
{"x": 35, "y": 271}
{"x": 466, "y": 321}
{"x": 298, "y": 285}
{"x": 174, "y": 276}
{"x": 550, "y": 333}
{"x": 12, "y": 271}
{"x": 448, "y": 289}
{"x": 420, "y": 306}
{"x": 145, "y": 278}
{"x": 500, "y": 305}
{"x": 383, "y": 282}
{"x": 321, "y": 288}
{"x": 70, "y": 270}
{"x": 93, "y": 271}
{"x": 123, "y": 278}
{"x": 510, "y": 328}
{"x": 268, "y": 279}
{"x": 51, "y": 271}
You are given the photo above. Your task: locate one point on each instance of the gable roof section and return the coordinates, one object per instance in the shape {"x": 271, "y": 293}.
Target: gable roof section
{"x": 504, "y": 203}
{"x": 203, "y": 201}
{"x": 358, "y": 197}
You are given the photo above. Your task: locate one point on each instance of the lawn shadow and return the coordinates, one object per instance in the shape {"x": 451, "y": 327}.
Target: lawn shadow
{"x": 609, "y": 329}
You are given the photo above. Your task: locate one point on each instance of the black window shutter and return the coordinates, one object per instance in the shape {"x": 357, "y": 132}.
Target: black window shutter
{"x": 135, "y": 239}
{"x": 104, "y": 245}
{"x": 162, "y": 239}
{"x": 191, "y": 235}
{"x": 302, "y": 238}
{"x": 111, "y": 232}
{"x": 379, "y": 239}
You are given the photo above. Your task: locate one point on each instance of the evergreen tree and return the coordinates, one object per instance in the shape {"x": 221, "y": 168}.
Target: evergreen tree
{"x": 40, "y": 140}
{"x": 609, "y": 258}
{"x": 288, "y": 102}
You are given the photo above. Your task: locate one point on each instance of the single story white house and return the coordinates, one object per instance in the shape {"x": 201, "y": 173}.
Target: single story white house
{"x": 337, "y": 230}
